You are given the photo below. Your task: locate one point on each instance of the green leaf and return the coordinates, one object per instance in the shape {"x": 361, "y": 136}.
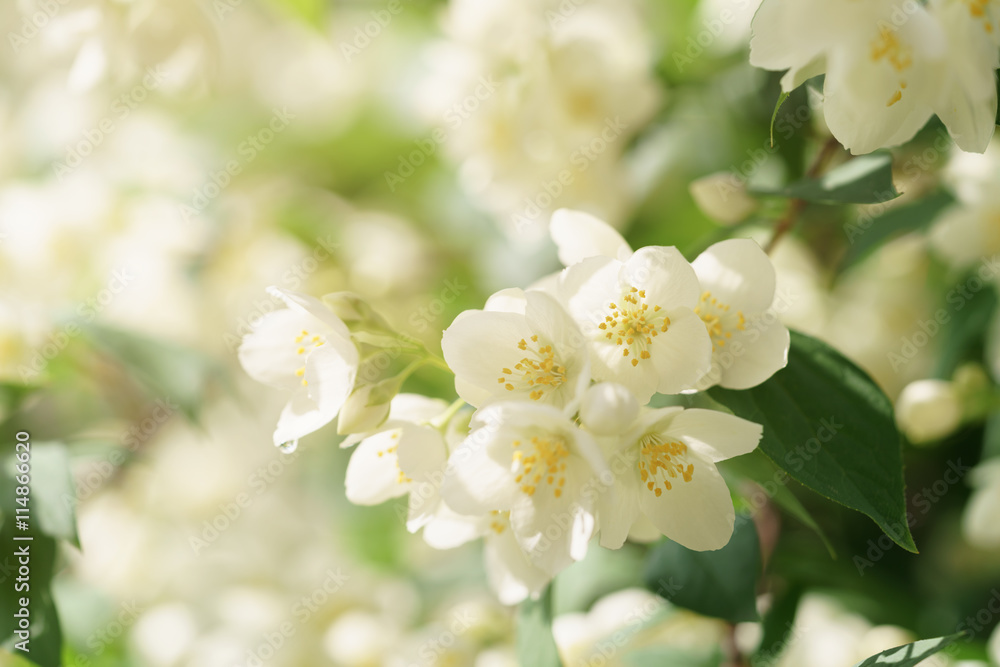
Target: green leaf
{"x": 865, "y": 234}
{"x": 759, "y": 469}
{"x": 45, "y": 634}
{"x": 991, "y": 437}
{"x": 535, "y": 645}
{"x": 863, "y": 180}
{"x": 719, "y": 583}
{"x": 777, "y": 625}
{"x": 831, "y": 428}
{"x": 963, "y": 336}
{"x": 781, "y": 100}
{"x": 601, "y": 572}
{"x": 911, "y": 654}
{"x": 166, "y": 370}
{"x": 53, "y": 494}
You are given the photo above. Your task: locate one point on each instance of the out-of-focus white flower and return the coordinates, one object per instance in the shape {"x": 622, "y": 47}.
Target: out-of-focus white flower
{"x": 928, "y": 410}
{"x": 304, "y": 348}
{"x": 981, "y": 521}
{"x": 163, "y": 634}
{"x": 994, "y": 647}
{"x": 631, "y": 619}
{"x": 669, "y": 476}
{"x": 531, "y": 460}
{"x": 826, "y": 635}
{"x": 889, "y": 66}
{"x": 522, "y": 346}
{"x": 539, "y": 99}
{"x": 967, "y": 233}
{"x": 638, "y": 318}
{"x": 358, "y": 638}
{"x": 722, "y": 199}
{"x": 749, "y": 342}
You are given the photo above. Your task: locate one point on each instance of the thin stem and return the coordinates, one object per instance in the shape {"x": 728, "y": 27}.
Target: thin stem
{"x": 795, "y": 206}
{"x": 442, "y": 420}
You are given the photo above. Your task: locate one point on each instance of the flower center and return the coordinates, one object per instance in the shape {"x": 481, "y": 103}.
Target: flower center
{"x": 498, "y": 521}
{"x": 402, "y": 478}
{"x": 537, "y": 372}
{"x": 306, "y": 343}
{"x": 899, "y": 56}
{"x": 633, "y": 325}
{"x": 719, "y": 322}
{"x": 542, "y": 460}
{"x": 661, "y": 461}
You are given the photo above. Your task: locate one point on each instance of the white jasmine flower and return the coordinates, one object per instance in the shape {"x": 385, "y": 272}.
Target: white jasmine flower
{"x": 523, "y": 346}
{"x": 530, "y": 460}
{"x": 665, "y": 471}
{"x": 928, "y": 410}
{"x": 638, "y": 317}
{"x": 966, "y": 233}
{"x": 749, "y": 343}
{"x": 304, "y": 348}
{"x": 889, "y": 65}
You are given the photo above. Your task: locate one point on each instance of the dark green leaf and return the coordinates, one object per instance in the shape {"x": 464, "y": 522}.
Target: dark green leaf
{"x": 963, "y": 335}
{"x": 45, "y": 634}
{"x": 777, "y": 626}
{"x": 991, "y": 437}
{"x": 831, "y": 428}
{"x": 719, "y": 583}
{"x": 864, "y": 180}
{"x": 773, "y": 481}
{"x": 865, "y": 233}
{"x": 911, "y": 654}
{"x": 535, "y": 645}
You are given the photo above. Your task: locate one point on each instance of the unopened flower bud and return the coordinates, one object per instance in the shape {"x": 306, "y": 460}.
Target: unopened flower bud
{"x": 722, "y": 198}
{"x": 928, "y": 410}
{"x": 367, "y": 407}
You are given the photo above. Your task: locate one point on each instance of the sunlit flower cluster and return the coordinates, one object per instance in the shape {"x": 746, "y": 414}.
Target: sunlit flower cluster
{"x": 889, "y": 65}
{"x": 567, "y": 441}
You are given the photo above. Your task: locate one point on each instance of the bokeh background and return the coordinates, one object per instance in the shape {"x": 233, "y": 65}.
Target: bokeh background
{"x": 163, "y": 161}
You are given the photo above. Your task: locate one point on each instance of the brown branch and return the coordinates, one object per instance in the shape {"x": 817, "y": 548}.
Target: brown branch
{"x": 795, "y": 206}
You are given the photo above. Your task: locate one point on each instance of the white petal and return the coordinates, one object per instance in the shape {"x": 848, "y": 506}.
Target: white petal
{"x": 757, "y": 353}
{"x": 580, "y": 235}
{"x": 970, "y": 117}
{"x": 300, "y": 417}
{"x": 510, "y": 573}
{"x": 698, "y": 514}
{"x": 664, "y": 274}
{"x": 616, "y": 513}
{"x": 715, "y": 435}
{"x": 479, "y": 478}
{"x": 683, "y": 354}
{"x": 447, "y": 529}
{"x": 554, "y": 532}
{"x": 330, "y": 373}
{"x": 738, "y": 273}
{"x": 415, "y": 408}
{"x": 310, "y": 305}
{"x": 268, "y": 353}
{"x": 511, "y": 300}
{"x": 373, "y": 474}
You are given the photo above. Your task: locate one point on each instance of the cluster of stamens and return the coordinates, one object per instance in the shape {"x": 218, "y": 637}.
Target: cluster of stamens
{"x": 402, "y": 478}
{"x": 662, "y": 461}
{"x": 711, "y": 312}
{"x": 538, "y": 371}
{"x": 633, "y": 325}
{"x": 543, "y": 460}
{"x": 898, "y": 55}
{"x": 306, "y": 343}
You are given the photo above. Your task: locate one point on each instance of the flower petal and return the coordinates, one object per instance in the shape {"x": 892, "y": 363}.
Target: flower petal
{"x": 269, "y": 354}
{"x": 579, "y": 235}
{"x": 664, "y": 274}
{"x": 683, "y": 354}
{"x": 738, "y": 273}
{"x": 715, "y": 435}
{"x": 373, "y": 474}
{"x": 478, "y": 478}
{"x": 511, "y": 575}
{"x": 764, "y": 352}
{"x": 698, "y": 514}
{"x": 310, "y": 305}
